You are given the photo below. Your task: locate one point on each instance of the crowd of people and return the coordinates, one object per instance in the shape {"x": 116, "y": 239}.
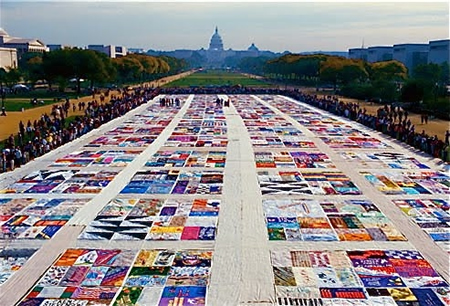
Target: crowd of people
{"x": 392, "y": 121}
{"x": 389, "y": 120}
{"x": 51, "y": 131}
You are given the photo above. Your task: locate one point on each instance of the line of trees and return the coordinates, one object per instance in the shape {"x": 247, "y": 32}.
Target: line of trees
{"x": 59, "y": 67}
{"x": 388, "y": 81}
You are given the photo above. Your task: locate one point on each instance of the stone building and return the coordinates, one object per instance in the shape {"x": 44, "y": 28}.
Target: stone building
{"x": 22, "y": 45}
{"x": 8, "y": 58}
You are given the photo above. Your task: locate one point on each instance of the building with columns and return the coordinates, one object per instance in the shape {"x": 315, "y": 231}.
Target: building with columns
{"x": 22, "y": 45}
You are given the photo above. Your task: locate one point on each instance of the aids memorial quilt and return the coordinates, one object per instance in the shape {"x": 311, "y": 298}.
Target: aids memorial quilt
{"x": 409, "y": 182}
{"x": 175, "y": 182}
{"x": 11, "y": 260}
{"x": 155, "y": 219}
{"x": 314, "y": 183}
{"x": 62, "y": 181}
{"x": 431, "y": 215}
{"x": 371, "y": 277}
{"x": 293, "y": 159}
{"x": 124, "y": 277}
{"x": 36, "y": 218}
{"x": 110, "y": 158}
{"x": 208, "y": 159}
{"x": 327, "y": 220}
{"x": 384, "y": 160}
{"x": 122, "y": 141}
{"x": 354, "y": 142}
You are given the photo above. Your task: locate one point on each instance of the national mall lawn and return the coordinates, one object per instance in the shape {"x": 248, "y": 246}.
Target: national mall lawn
{"x": 216, "y": 78}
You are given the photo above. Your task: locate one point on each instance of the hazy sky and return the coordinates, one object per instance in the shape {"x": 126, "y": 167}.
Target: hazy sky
{"x": 275, "y": 26}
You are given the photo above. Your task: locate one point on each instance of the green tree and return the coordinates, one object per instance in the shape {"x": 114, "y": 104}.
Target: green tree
{"x": 58, "y": 67}
{"x": 30, "y": 66}
{"x": 429, "y": 77}
{"x": 413, "y": 91}
{"x": 444, "y": 78}
{"x": 340, "y": 70}
{"x": 91, "y": 65}
{"x": 12, "y": 77}
{"x": 351, "y": 73}
{"x": 2, "y": 77}
{"x": 388, "y": 71}
{"x": 253, "y": 65}
{"x": 129, "y": 69}
{"x": 307, "y": 67}
{"x": 34, "y": 71}
{"x": 430, "y": 72}
{"x": 174, "y": 65}
{"x": 61, "y": 65}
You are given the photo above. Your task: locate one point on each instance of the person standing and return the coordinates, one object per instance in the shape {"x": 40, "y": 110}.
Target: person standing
{"x": 10, "y": 159}
{"x": 4, "y": 161}
{"x": 11, "y": 142}
{"x": 17, "y": 156}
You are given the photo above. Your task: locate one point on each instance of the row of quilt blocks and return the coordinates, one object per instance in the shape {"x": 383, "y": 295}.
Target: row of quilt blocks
{"x": 124, "y": 277}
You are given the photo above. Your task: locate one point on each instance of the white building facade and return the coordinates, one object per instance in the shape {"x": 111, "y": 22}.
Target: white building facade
{"x": 8, "y": 58}
{"x": 111, "y": 50}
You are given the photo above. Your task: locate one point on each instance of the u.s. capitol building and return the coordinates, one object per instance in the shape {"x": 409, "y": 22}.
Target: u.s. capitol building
{"x": 215, "y": 56}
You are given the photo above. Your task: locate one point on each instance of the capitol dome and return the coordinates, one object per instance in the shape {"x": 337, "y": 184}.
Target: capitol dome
{"x": 253, "y": 48}
{"x": 216, "y": 41}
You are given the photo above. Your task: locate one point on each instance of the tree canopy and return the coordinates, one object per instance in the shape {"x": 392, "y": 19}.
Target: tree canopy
{"x": 66, "y": 65}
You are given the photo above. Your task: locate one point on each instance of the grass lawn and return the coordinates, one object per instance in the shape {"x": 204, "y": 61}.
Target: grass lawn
{"x": 216, "y": 78}
{"x": 16, "y": 104}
